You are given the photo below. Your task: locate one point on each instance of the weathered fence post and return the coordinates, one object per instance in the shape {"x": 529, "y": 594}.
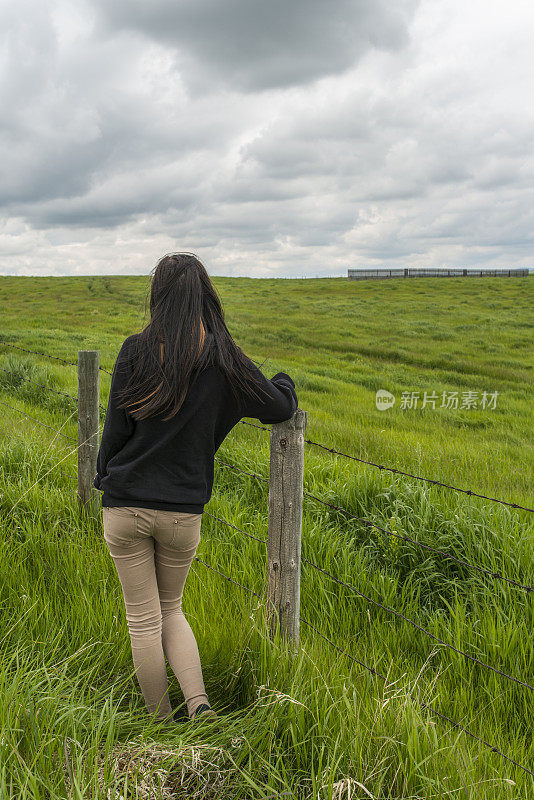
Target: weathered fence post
{"x": 286, "y": 469}
{"x": 88, "y": 424}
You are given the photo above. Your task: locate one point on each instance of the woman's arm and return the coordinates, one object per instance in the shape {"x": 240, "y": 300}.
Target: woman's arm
{"x": 118, "y": 425}
{"x": 277, "y": 399}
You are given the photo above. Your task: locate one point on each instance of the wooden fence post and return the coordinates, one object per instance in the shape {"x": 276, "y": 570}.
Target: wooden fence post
{"x": 88, "y": 425}
{"x": 286, "y": 469}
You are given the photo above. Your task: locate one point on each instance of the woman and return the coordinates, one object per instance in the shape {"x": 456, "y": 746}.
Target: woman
{"x": 178, "y": 388}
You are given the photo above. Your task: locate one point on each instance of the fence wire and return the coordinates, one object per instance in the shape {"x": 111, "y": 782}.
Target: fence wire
{"x": 432, "y": 710}
{"x": 47, "y": 355}
{"x": 42, "y": 385}
{"x": 390, "y": 611}
{"x": 231, "y": 525}
{"x": 226, "y": 577}
{"x": 407, "y": 474}
{"x": 49, "y": 388}
{"x": 469, "y": 492}
{"x": 19, "y": 411}
{"x": 415, "y": 625}
{"x": 382, "y": 677}
{"x": 443, "y": 553}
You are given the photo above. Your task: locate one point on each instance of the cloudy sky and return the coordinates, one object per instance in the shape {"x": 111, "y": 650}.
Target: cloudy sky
{"x": 271, "y": 138}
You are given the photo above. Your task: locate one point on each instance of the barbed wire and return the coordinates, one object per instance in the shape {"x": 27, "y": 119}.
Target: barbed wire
{"x": 38, "y": 421}
{"x": 68, "y": 475}
{"x": 49, "y": 388}
{"x": 443, "y": 553}
{"x": 419, "y": 627}
{"x": 253, "y": 425}
{"x": 394, "y": 470}
{"x": 378, "y": 674}
{"x": 42, "y": 385}
{"x": 226, "y": 576}
{"x": 232, "y": 466}
{"x": 36, "y": 353}
{"x": 231, "y": 525}
{"x": 390, "y": 611}
{"x": 469, "y": 492}
{"x": 48, "y": 355}
{"x": 338, "y": 580}
{"x": 452, "y": 722}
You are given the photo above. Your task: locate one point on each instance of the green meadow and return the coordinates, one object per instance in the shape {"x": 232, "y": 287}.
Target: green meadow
{"x": 317, "y": 724}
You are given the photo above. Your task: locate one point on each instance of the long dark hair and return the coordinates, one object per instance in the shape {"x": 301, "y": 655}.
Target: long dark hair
{"x": 186, "y": 334}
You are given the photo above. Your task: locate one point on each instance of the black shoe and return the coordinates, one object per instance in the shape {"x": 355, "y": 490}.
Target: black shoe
{"x": 204, "y": 711}
{"x": 179, "y": 716}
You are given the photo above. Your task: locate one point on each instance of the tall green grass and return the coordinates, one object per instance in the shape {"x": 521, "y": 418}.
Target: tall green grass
{"x": 318, "y": 725}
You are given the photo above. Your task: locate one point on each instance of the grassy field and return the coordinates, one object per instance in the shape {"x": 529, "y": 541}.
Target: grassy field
{"x": 72, "y": 718}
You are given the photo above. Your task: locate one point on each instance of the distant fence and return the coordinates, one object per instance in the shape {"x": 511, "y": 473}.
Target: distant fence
{"x": 416, "y": 272}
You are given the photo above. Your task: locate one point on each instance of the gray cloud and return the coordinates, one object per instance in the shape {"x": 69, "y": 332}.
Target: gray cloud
{"x": 363, "y": 137}
{"x": 253, "y": 45}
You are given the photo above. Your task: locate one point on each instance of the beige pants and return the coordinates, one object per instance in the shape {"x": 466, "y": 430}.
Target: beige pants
{"x": 152, "y": 551}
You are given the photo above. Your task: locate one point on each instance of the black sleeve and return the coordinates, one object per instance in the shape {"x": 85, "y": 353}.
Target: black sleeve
{"x": 119, "y": 425}
{"x": 275, "y": 401}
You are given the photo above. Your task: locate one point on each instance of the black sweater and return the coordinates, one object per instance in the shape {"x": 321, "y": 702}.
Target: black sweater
{"x": 169, "y": 465}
